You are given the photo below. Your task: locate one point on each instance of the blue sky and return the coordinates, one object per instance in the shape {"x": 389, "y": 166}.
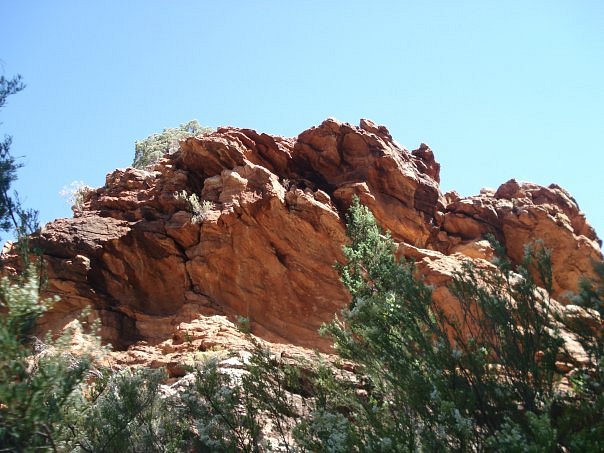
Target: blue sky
{"x": 498, "y": 89}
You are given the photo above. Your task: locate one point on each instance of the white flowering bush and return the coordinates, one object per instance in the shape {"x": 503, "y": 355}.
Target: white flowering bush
{"x": 76, "y": 195}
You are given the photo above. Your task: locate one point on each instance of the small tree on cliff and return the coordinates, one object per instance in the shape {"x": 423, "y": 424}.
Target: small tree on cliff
{"x": 152, "y": 148}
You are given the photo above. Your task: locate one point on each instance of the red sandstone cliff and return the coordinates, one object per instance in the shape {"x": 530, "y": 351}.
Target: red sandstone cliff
{"x": 267, "y": 246}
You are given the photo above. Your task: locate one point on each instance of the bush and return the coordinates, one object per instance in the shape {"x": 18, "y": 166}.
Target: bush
{"x": 199, "y": 209}
{"x": 485, "y": 380}
{"x": 76, "y": 195}
{"x": 125, "y": 411}
{"x": 152, "y": 149}
{"x": 392, "y": 332}
{"x": 37, "y": 392}
{"x": 53, "y": 400}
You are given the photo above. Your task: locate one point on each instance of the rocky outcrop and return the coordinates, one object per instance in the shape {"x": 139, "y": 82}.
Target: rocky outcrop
{"x": 519, "y": 214}
{"x": 272, "y": 229}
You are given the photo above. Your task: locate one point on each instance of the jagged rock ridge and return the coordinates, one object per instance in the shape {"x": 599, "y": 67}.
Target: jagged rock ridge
{"x": 267, "y": 246}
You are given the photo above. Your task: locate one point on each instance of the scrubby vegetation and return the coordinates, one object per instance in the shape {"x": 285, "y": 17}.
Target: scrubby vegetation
{"x": 422, "y": 382}
{"x": 152, "y": 148}
{"x": 485, "y": 379}
{"x": 198, "y": 209}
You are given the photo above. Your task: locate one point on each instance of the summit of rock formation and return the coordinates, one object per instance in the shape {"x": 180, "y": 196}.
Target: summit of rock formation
{"x": 273, "y": 227}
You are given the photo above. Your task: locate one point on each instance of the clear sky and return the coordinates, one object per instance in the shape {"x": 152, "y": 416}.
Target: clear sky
{"x": 498, "y": 89}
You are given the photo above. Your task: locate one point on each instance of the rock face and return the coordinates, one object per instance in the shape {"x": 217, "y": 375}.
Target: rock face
{"x": 273, "y": 227}
{"x": 518, "y": 214}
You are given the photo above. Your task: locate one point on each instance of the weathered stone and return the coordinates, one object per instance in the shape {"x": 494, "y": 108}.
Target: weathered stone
{"x": 521, "y": 214}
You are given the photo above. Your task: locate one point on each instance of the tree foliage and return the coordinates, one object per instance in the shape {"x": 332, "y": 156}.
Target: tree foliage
{"x": 153, "y": 148}
{"x": 482, "y": 380}
{"x": 37, "y": 391}
{"x": 13, "y": 217}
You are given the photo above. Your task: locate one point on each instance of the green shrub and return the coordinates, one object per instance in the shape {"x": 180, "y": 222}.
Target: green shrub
{"x": 243, "y": 324}
{"x": 392, "y": 332}
{"x": 199, "y": 209}
{"x": 584, "y": 420}
{"x": 52, "y": 400}
{"x": 219, "y": 412}
{"x": 485, "y": 380}
{"x": 151, "y": 149}
{"x": 125, "y": 411}
{"x": 37, "y": 391}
